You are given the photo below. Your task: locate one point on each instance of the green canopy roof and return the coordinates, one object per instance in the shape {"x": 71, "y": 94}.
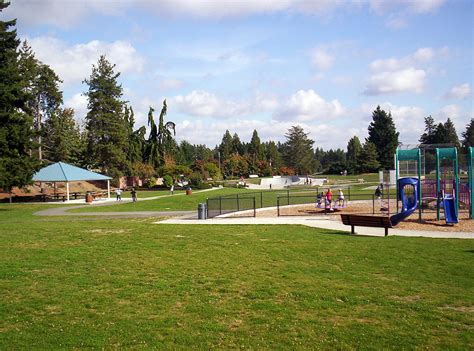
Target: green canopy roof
{"x": 63, "y": 172}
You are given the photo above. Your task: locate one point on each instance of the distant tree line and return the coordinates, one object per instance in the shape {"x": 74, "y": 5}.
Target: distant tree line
{"x": 37, "y": 129}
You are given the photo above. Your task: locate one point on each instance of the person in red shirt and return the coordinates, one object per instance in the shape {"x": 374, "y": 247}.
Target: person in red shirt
{"x": 328, "y": 198}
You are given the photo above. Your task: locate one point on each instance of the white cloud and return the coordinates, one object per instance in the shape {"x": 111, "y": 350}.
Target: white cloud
{"x": 74, "y": 63}
{"x": 202, "y": 103}
{"x": 396, "y": 22}
{"x": 307, "y": 105}
{"x": 406, "y": 80}
{"x": 169, "y": 83}
{"x": 61, "y": 13}
{"x": 79, "y": 103}
{"x": 459, "y": 92}
{"x": 420, "y": 56}
{"x": 449, "y": 111}
{"x": 406, "y": 74}
{"x": 321, "y": 59}
{"x": 70, "y": 13}
{"x": 406, "y": 7}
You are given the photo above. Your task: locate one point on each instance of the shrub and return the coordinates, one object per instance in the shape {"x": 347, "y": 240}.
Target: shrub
{"x": 196, "y": 179}
{"x": 150, "y": 182}
{"x": 168, "y": 181}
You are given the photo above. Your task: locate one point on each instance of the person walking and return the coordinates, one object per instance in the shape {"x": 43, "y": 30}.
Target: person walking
{"x": 118, "y": 194}
{"x": 134, "y": 194}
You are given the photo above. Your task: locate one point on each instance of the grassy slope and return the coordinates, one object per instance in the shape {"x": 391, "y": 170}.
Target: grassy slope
{"x": 129, "y": 283}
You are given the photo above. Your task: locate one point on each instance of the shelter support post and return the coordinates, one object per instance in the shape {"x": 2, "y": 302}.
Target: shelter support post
{"x": 67, "y": 191}
{"x": 108, "y": 189}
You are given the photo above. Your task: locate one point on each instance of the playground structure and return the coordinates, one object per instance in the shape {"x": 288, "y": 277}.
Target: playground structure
{"x": 445, "y": 188}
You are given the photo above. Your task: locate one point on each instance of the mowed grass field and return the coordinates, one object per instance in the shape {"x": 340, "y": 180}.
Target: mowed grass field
{"x": 71, "y": 283}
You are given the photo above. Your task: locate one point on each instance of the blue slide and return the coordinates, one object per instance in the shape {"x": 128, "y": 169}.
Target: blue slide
{"x": 409, "y": 203}
{"x": 450, "y": 210}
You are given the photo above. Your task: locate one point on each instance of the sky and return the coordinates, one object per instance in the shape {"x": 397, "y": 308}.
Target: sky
{"x": 265, "y": 64}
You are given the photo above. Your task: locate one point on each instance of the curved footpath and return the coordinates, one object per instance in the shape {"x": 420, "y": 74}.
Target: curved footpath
{"x": 64, "y": 211}
{"x": 319, "y": 223}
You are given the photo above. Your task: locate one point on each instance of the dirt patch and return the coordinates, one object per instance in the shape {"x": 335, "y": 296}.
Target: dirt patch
{"x": 108, "y": 231}
{"x": 465, "y": 309}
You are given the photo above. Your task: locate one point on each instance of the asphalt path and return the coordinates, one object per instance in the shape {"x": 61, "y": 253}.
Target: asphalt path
{"x": 64, "y": 211}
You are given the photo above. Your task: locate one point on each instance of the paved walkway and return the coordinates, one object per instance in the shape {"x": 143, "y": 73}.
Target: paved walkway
{"x": 64, "y": 211}
{"x": 318, "y": 223}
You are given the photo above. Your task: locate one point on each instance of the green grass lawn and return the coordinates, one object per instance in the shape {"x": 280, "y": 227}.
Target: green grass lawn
{"x": 70, "y": 283}
{"x": 264, "y": 198}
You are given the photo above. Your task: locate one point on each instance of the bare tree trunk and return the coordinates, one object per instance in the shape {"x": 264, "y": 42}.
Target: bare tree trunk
{"x": 38, "y": 116}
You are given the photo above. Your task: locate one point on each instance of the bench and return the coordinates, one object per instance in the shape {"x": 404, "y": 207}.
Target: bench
{"x": 366, "y": 221}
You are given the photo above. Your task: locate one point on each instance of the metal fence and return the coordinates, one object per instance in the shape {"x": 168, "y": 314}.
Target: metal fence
{"x": 287, "y": 201}
{"x": 252, "y": 201}
{"x": 227, "y": 204}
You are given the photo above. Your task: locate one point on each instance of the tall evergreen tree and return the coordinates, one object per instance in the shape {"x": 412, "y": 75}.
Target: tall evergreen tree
{"x": 43, "y": 88}
{"x": 299, "y": 150}
{"x": 16, "y": 122}
{"x": 354, "y": 149}
{"x": 430, "y": 131}
{"x": 237, "y": 147}
{"x": 255, "y": 149}
{"x": 63, "y": 140}
{"x": 468, "y": 135}
{"x": 368, "y": 158}
{"x": 451, "y": 134}
{"x": 383, "y": 134}
{"x": 225, "y": 147}
{"x": 105, "y": 122}
{"x": 272, "y": 155}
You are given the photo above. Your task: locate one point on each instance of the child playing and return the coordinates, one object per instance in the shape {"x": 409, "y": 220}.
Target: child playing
{"x": 328, "y": 198}
{"x": 319, "y": 199}
{"x": 340, "y": 198}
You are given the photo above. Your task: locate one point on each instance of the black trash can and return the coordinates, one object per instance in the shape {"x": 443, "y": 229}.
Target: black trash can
{"x": 202, "y": 211}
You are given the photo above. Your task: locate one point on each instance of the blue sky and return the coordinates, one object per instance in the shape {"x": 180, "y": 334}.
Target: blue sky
{"x": 266, "y": 65}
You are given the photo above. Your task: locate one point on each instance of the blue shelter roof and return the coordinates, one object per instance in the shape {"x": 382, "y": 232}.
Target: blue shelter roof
{"x": 63, "y": 172}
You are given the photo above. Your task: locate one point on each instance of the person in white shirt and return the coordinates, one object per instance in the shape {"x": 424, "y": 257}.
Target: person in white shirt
{"x": 118, "y": 194}
{"x": 340, "y": 198}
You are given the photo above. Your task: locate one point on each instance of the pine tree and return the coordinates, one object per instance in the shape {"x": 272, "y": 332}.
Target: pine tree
{"x": 383, "y": 134}
{"x": 428, "y": 137}
{"x": 225, "y": 147}
{"x": 468, "y": 135}
{"x": 105, "y": 122}
{"x": 63, "y": 140}
{"x": 237, "y": 147}
{"x": 255, "y": 147}
{"x": 272, "y": 155}
{"x": 451, "y": 134}
{"x": 16, "y": 122}
{"x": 299, "y": 150}
{"x": 354, "y": 149}
{"x": 42, "y": 87}
{"x": 369, "y": 158}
